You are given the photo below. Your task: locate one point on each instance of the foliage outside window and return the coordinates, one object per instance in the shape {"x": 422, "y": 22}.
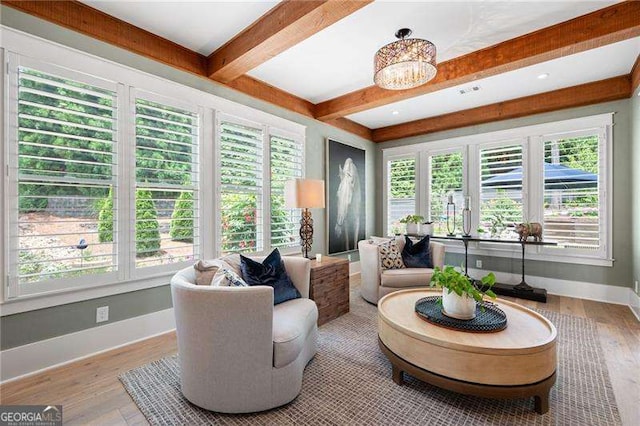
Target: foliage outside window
{"x": 286, "y": 157}
{"x": 445, "y": 179}
{"x": 401, "y": 198}
{"x": 166, "y": 179}
{"x": 66, "y": 167}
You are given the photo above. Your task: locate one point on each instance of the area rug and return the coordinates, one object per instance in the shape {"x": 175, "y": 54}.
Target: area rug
{"x": 349, "y": 383}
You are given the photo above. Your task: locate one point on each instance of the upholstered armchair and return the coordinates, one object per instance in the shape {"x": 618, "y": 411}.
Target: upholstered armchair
{"x": 238, "y": 352}
{"x": 377, "y": 282}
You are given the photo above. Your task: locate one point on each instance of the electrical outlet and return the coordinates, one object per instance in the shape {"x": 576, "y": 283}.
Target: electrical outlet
{"x": 479, "y": 264}
{"x": 102, "y": 314}
{"x": 349, "y": 257}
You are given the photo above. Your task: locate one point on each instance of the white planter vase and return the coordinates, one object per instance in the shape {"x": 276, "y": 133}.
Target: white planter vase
{"x": 412, "y": 228}
{"x": 459, "y": 307}
{"x": 427, "y": 229}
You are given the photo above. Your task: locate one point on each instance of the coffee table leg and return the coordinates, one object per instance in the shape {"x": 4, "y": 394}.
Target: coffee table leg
{"x": 541, "y": 403}
{"x": 397, "y": 375}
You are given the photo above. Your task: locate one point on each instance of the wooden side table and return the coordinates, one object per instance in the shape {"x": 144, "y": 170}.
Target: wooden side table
{"x": 329, "y": 287}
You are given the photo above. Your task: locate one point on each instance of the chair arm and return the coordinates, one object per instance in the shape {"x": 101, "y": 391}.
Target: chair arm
{"x": 299, "y": 270}
{"x": 437, "y": 254}
{"x": 370, "y": 269}
{"x": 225, "y": 339}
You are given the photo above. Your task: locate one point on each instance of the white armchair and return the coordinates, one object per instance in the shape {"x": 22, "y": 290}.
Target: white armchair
{"x": 238, "y": 352}
{"x": 376, "y": 282}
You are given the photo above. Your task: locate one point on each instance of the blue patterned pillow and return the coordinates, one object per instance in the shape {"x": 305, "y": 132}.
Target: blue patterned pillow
{"x": 270, "y": 272}
{"x": 233, "y": 278}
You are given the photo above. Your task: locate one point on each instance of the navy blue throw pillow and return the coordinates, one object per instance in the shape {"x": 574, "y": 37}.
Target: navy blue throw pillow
{"x": 417, "y": 255}
{"x": 270, "y": 272}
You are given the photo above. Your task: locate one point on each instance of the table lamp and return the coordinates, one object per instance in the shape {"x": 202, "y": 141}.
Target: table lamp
{"x": 304, "y": 194}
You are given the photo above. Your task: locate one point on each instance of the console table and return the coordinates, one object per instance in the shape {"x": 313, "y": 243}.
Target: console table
{"x": 522, "y": 290}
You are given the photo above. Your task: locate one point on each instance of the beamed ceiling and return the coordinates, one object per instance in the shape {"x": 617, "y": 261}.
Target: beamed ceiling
{"x": 315, "y": 57}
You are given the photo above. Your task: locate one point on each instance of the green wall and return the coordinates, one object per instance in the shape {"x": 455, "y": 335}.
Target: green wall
{"x": 635, "y": 185}
{"x": 620, "y": 273}
{"x": 21, "y": 328}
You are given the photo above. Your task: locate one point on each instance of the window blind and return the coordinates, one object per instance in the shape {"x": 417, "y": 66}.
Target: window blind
{"x": 241, "y": 175}
{"x": 571, "y": 192}
{"x": 401, "y": 194}
{"x": 66, "y": 169}
{"x": 501, "y": 173}
{"x": 445, "y": 179}
{"x": 166, "y": 196}
{"x": 286, "y": 157}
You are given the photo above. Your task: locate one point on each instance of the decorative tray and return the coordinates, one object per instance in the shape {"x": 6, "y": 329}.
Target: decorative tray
{"x": 487, "y": 320}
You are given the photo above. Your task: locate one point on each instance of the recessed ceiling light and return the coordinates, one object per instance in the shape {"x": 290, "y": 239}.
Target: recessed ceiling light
{"x": 543, "y": 76}
{"x": 395, "y": 112}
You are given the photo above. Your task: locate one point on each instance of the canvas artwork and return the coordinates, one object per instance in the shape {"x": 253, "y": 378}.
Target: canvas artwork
{"x": 345, "y": 197}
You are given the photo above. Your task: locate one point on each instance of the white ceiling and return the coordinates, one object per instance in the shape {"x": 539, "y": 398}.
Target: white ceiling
{"x": 202, "y": 26}
{"x": 592, "y": 65}
{"x": 339, "y": 59}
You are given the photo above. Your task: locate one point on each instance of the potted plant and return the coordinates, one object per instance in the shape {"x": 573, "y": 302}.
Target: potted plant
{"x": 412, "y": 221}
{"x": 459, "y": 292}
{"x": 427, "y": 228}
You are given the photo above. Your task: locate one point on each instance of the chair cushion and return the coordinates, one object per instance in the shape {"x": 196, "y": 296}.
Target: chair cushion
{"x": 293, "y": 321}
{"x": 270, "y": 272}
{"x": 408, "y": 277}
{"x": 417, "y": 255}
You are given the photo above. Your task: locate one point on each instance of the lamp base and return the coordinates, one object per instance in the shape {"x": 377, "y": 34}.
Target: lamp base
{"x": 306, "y": 232}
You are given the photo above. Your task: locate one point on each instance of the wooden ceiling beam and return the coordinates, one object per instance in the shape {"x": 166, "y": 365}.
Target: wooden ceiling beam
{"x": 585, "y": 94}
{"x": 635, "y": 76}
{"x": 284, "y": 26}
{"x": 99, "y": 25}
{"x": 605, "y": 26}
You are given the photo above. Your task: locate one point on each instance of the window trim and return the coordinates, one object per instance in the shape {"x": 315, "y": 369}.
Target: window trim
{"x": 531, "y": 137}
{"x": 16, "y": 44}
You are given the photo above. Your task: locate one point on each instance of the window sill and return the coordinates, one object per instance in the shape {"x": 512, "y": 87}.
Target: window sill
{"x": 531, "y": 254}
{"x": 72, "y": 295}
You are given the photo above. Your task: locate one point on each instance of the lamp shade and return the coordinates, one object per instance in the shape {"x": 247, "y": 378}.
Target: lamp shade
{"x": 304, "y": 193}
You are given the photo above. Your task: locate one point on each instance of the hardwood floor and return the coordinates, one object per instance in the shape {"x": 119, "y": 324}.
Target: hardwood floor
{"x": 91, "y": 393}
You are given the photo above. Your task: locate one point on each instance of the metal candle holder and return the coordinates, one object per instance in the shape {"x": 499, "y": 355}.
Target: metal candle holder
{"x": 466, "y": 217}
{"x": 451, "y": 214}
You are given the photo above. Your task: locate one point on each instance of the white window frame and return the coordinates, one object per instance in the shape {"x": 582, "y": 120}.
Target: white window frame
{"x": 533, "y": 182}
{"x": 385, "y": 186}
{"x": 14, "y": 44}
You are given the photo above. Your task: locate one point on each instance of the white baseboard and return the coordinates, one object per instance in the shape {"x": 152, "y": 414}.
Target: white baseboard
{"x": 634, "y": 303}
{"x": 578, "y": 289}
{"x": 17, "y": 363}
{"x": 354, "y": 268}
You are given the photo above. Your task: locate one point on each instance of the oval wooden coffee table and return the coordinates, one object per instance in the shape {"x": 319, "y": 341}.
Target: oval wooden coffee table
{"x": 517, "y": 362}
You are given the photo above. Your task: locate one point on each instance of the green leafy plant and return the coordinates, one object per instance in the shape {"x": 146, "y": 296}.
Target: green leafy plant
{"x": 147, "y": 226}
{"x": 456, "y": 282}
{"x": 181, "y": 228}
{"x": 105, "y": 219}
{"x": 412, "y": 218}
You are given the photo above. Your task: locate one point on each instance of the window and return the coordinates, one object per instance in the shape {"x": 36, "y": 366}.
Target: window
{"x": 558, "y": 174}
{"x": 571, "y": 192}
{"x": 241, "y": 178}
{"x": 501, "y": 201}
{"x": 286, "y": 159}
{"x": 66, "y": 167}
{"x": 166, "y": 196}
{"x": 401, "y": 197}
{"x": 445, "y": 179}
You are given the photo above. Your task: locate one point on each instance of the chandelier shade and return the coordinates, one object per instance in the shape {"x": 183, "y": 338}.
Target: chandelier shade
{"x": 404, "y": 64}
